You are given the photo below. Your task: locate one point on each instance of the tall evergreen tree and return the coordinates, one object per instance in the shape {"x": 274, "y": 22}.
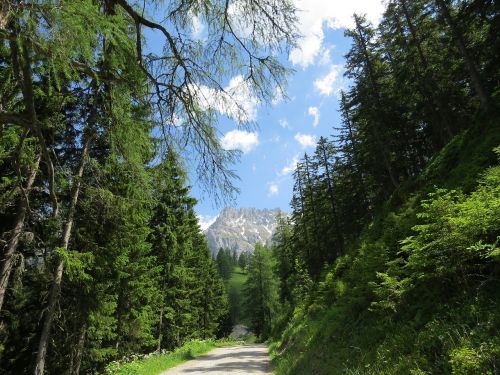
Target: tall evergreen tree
{"x": 261, "y": 291}
{"x": 76, "y": 113}
{"x": 192, "y": 294}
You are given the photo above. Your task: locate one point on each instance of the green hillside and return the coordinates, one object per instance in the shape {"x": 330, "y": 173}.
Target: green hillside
{"x": 372, "y": 315}
{"x": 389, "y": 261}
{"x": 235, "y": 286}
{"x": 111, "y": 111}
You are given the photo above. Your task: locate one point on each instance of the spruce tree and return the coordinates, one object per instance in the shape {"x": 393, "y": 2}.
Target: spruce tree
{"x": 192, "y": 295}
{"x": 261, "y": 291}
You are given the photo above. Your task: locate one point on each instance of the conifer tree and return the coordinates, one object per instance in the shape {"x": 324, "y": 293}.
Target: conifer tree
{"x": 261, "y": 291}
{"x": 79, "y": 92}
{"x": 224, "y": 262}
{"x": 192, "y": 294}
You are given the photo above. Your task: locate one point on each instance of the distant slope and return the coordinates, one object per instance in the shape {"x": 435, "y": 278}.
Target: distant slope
{"x": 240, "y": 229}
{"x": 235, "y": 290}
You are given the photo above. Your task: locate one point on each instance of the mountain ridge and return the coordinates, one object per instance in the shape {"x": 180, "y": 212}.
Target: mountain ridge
{"x": 239, "y": 229}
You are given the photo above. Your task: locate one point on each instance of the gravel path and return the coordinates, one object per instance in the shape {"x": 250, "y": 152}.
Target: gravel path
{"x": 231, "y": 360}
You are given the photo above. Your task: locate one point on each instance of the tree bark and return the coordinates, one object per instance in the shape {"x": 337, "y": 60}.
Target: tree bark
{"x": 78, "y": 352}
{"x": 311, "y": 195}
{"x": 21, "y": 63}
{"x": 355, "y": 162}
{"x": 329, "y": 178}
{"x": 160, "y": 328}
{"x": 302, "y": 208}
{"x": 8, "y": 256}
{"x": 56, "y": 284}
{"x": 317, "y": 257}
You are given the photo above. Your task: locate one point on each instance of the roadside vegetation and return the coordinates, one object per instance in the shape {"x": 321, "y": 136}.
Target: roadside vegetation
{"x": 155, "y": 363}
{"x": 389, "y": 261}
{"x": 101, "y": 254}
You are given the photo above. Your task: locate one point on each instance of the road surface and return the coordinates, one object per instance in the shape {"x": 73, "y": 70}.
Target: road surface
{"x": 230, "y": 360}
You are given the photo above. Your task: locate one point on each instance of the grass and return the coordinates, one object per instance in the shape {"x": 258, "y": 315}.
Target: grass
{"x": 235, "y": 286}
{"x": 154, "y": 363}
{"x": 336, "y": 330}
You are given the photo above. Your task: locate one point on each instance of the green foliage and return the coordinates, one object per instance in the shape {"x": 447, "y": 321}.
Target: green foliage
{"x": 431, "y": 307}
{"x": 225, "y": 263}
{"x": 155, "y": 363}
{"x": 243, "y": 259}
{"x": 261, "y": 292}
{"x": 77, "y": 264}
{"x": 103, "y": 246}
{"x": 235, "y": 287}
{"x": 193, "y": 298}
{"x": 389, "y": 261}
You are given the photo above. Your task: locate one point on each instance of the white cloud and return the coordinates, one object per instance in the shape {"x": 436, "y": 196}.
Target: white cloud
{"x": 325, "y": 57}
{"x": 236, "y": 101}
{"x": 197, "y": 27}
{"x": 240, "y": 140}
{"x": 335, "y": 14}
{"x": 305, "y": 140}
{"x": 314, "y": 112}
{"x": 240, "y": 22}
{"x": 273, "y": 189}
{"x": 284, "y": 123}
{"x": 332, "y": 82}
{"x": 279, "y": 96}
{"x": 290, "y": 167}
{"x": 205, "y": 221}
{"x": 243, "y": 98}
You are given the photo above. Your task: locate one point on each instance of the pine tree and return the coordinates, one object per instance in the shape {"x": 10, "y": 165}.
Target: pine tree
{"x": 192, "y": 294}
{"x": 224, "y": 262}
{"x": 78, "y": 93}
{"x": 261, "y": 291}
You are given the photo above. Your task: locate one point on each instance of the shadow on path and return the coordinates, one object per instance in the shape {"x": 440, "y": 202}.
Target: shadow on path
{"x": 245, "y": 359}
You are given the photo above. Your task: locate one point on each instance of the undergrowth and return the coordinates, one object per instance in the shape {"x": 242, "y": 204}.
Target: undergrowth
{"x": 155, "y": 363}
{"x": 418, "y": 291}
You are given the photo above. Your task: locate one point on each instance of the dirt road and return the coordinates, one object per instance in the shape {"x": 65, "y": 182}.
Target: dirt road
{"x": 231, "y": 360}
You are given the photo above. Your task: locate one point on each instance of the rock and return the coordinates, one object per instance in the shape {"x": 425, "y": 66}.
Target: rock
{"x": 239, "y": 229}
{"x": 239, "y": 332}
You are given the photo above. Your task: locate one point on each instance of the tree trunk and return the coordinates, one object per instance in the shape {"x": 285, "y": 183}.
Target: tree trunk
{"x": 21, "y": 63}
{"x": 160, "y": 328}
{"x": 469, "y": 62}
{"x": 317, "y": 257}
{"x": 4, "y": 13}
{"x": 302, "y": 209}
{"x": 8, "y": 256}
{"x": 77, "y": 359}
{"x": 56, "y": 284}
{"x": 329, "y": 178}
{"x": 355, "y": 162}
{"x": 311, "y": 193}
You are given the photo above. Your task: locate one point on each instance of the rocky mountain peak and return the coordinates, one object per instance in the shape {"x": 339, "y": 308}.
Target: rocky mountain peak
{"x": 240, "y": 229}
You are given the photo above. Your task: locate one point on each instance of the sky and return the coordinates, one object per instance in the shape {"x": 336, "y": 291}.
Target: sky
{"x": 286, "y": 129}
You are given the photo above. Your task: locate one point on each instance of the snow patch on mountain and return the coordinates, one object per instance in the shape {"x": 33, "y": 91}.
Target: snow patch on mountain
{"x": 240, "y": 229}
{"x": 205, "y": 221}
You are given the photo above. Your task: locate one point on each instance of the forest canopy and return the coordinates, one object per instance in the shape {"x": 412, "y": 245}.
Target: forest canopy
{"x": 101, "y": 246}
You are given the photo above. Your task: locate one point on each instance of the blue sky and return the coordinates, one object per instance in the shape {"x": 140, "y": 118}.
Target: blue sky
{"x": 287, "y": 129}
